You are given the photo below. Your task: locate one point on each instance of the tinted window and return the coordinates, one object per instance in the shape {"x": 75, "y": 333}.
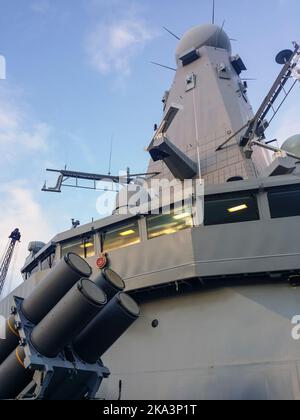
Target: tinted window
{"x": 285, "y": 202}
{"x": 47, "y": 263}
{"x": 167, "y": 224}
{"x": 230, "y": 209}
{"x": 34, "y": 270}
{"x": 121, "y": 236}
{"x": 85, "y": 247}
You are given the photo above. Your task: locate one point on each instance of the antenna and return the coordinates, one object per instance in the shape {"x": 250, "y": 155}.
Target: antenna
{"x": 162, "y": 65}
{"x": 171, "y": 33}
{"x": 220, "y": 30}
{"x": 110, "y": 155}
{"x": 213, "y": 12}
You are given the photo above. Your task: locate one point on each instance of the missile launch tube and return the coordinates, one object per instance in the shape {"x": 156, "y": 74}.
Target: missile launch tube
{"x": 110, "y": 282}
{"x": 59, "y": 281}
{"x": 68, "y": 318}
{"x": 116, "y": 317}
{"x": 11, "y": 340}
{"x": 13, "y": 375}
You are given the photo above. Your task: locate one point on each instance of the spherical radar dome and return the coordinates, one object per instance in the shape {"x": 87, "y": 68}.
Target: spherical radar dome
{"x": 292, "y": 145}
{"x": 204, "y": 35}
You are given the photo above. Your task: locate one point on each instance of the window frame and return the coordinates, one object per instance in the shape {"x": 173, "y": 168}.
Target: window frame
{"x": 282, "y": 190}
{"x": 50, "y": 258}
{"x": 120, "y": 226}
{"x": 242, "y": 196}
{"x": 83, "y": 240}
{"x": 173, "y": 211}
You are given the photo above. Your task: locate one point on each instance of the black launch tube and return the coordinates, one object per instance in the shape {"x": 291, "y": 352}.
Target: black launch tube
{"x": 110, "y": 282}
{"x": 101, "y": 333}
{"x": 59, "y": 281}
{"x": 68, "y": 318}
{"x": 11, "y": 340}
{"x": 13, "y": 375}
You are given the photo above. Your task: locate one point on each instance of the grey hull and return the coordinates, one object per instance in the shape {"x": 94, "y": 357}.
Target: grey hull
{"x": 227, "y": 343}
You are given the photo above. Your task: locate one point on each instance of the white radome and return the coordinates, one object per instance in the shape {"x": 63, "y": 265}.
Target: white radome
{"x": 292, "y": 145}
{"x": 203, "y": 35}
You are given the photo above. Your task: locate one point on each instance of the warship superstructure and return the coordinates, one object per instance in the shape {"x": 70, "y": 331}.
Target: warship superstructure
{"x": 217, "y": 296}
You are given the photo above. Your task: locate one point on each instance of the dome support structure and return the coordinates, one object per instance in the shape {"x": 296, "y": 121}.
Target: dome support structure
{"x": 274, "y": 149}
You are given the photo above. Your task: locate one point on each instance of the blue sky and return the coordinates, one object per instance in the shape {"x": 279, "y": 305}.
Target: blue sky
{"x": 79, "y": 72}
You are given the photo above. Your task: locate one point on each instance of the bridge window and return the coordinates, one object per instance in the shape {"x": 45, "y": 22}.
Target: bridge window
{"x": 84, "y": 247}
{"x": 33, "y": 270}
{"x": 230, "y": 209}
{"x": 47, "y": 262}
{"x": 285, "y": 202}
{"x": 121, "y": 236}
{"x": 167, "y": 224}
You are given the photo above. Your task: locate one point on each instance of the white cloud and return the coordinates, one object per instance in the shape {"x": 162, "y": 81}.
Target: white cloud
{"x": 19, "y": 208}
{"x": 23, "y": 143}
{"x": 111, "y": 47}
{"x": 8, "y": 119}
{"x": 40, "y": 6}
{"x": 18, "y": 134}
